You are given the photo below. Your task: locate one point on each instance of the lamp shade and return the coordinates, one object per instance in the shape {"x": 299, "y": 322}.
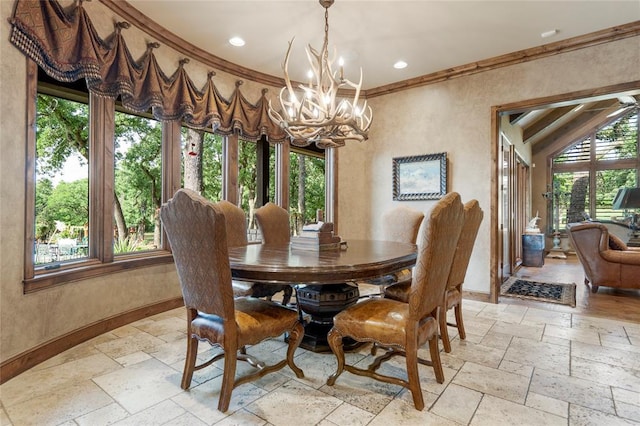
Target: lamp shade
{"x": 627, "y": 198}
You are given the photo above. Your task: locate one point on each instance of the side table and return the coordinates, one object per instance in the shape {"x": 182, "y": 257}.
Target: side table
{"x": 533, "y": 250}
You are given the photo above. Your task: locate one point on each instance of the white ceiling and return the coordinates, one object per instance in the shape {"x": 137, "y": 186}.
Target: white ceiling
{"x": 429, "y": 35}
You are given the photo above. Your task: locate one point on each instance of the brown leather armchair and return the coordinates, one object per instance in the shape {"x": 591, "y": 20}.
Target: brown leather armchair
{"x": 606, "y": 260}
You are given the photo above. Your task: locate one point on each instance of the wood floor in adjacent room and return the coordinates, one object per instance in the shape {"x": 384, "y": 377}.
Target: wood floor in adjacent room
{"x": 613, "y": 303}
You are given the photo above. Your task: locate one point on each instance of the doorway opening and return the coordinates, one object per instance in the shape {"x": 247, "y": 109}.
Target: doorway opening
{"x": 527, "y": 135}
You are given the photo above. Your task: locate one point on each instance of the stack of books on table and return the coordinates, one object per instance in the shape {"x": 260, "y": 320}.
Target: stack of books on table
{"x": 317, "y": 237}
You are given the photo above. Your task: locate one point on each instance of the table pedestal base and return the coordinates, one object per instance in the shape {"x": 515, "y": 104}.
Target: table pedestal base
{"x": 322, "y": 302}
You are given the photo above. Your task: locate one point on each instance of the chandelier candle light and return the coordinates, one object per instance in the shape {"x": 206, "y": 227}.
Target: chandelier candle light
{"x": 313, "y": 113}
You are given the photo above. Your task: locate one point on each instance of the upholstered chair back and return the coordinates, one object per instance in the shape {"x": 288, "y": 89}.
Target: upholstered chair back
{"x": 473, "y": 215}
{"x": 273, "y": 222}
{"x": 436, "y": 250}
{"x": 197, "y": 235}
{"x": 236, "y": 224}
{"x": 402, "y": 224}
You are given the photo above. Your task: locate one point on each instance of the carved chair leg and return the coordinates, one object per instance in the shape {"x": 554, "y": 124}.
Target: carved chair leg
{"x": 444, "y": 332}
{"x": 228, "y": 379}
{"x": 286, "y": 298}
{"x": 335, "y": 343}
{"x": 459, "y": 321}
{"x": 190, "y": 361}
{"x": 414, "y": 379}
{"x": 374, "y": 349}
{"x": 435, "y": 359}
{"x": 295, "y": 337}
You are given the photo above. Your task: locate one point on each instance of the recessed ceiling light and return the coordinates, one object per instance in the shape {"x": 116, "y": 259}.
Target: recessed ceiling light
{"x": 236, "y": 41}
{"x": 400, "y": 65}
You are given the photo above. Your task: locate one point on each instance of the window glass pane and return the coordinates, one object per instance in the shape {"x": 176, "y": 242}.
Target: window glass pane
{"x": 578, "y": 152}
{"x": 247, "y": 182}
{"x": 307, "y": 187}
{"x": 613, "y": 145}
{"x": 138, "y": 183}
{"x": 619, "y": 139}
{"x": 62, "y": 180}
{"x": 569, "y": 198}
{"x": 202, "y": 163}
{"x": 608, "y": 182}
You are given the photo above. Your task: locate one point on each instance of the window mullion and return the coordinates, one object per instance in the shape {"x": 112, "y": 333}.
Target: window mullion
{"x": 30, "y": 187}
{"x": 101, "y": 177}
{"x": 230, "y": 169}
{"x": 171, "y": 159}
{"x": 331, "y": 187}
{"x": 282, "y": 175}
{"x": 262, "y": 169}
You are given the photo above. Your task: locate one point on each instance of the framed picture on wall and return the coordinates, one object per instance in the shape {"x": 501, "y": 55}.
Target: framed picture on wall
{"x": 420, "y": 177}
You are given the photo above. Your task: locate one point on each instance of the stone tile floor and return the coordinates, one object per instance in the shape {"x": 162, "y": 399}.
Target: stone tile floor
{"x": 520, "y": 365}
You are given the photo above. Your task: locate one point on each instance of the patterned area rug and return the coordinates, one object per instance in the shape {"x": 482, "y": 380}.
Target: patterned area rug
{"x": 564, "y": 294}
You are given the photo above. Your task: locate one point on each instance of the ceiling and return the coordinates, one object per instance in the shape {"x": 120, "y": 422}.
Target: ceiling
{"x": 552, "y": 128}
{"x": 429, "y": 35}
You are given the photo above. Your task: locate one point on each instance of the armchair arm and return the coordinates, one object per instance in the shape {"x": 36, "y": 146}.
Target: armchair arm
{"x": 627, "y": 257}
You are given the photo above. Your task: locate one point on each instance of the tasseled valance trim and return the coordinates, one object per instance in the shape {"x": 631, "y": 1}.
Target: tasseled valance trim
{"x": 67, "y": 47}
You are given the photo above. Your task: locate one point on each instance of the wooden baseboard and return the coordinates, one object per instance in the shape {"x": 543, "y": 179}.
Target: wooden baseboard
{"x": 22, "y": 362}
{"x": 474, "y": 295}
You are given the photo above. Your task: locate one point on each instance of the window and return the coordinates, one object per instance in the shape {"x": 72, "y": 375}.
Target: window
{"x": 101, "y": 174}
{"x": 61, "y": 180}
{"x": 588, "y": 174}
{"x": 247, "y": 177}
{"x": 202, "y": 163}
{"x": 138, "y": 184}
{"x": 307, "y": 179}
{"x": 92, "y": 204}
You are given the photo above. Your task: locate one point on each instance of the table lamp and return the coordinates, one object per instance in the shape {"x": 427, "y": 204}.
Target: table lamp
{"x": 628, "y": 199}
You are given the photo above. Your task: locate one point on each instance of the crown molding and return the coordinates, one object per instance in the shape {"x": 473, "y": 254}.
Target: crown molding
{"x": 631, "y": 29}
{"x": 161, "y": 34}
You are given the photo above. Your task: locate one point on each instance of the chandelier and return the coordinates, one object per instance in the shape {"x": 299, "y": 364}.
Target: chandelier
{"x": 313, "y": 113}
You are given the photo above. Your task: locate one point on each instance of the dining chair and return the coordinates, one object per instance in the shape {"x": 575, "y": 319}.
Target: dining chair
{"x": 196, "y": 230}
{"x": 400, "y": 224}
{"x": 405, "y": 327}
{"x": 237, "y": 237}
{"x": 473, "y": 215}
{"x": 273, "y": 223}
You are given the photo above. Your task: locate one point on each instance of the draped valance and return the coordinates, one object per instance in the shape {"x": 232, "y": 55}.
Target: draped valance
{"x": 67, "y": 47}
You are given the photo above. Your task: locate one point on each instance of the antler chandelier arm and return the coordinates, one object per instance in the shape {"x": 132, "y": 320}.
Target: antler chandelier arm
{"x": 313, "y": 113}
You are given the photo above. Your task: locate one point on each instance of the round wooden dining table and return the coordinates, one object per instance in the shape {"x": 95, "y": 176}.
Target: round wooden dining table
{"x": 325, "y": 280}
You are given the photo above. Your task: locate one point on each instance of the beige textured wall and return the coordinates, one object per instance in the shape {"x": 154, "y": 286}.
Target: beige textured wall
{"x": 455, "y": 116}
